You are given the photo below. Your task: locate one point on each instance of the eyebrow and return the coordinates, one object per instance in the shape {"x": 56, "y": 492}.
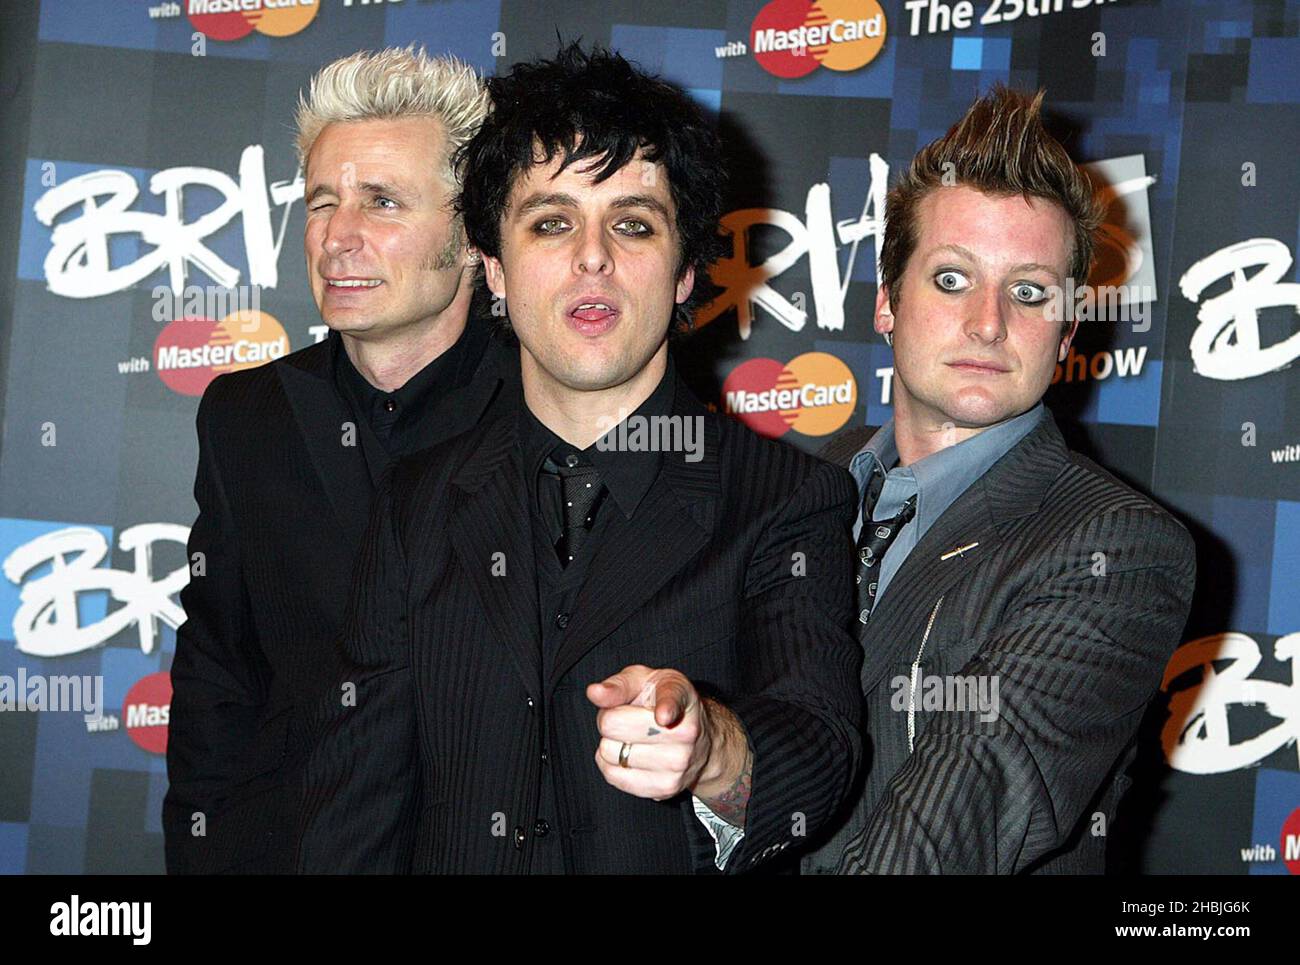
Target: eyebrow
{"x": 558, "y": 199}
{"x": 642, "y": 201}
{"x": 372, "y": 188}
{"x": 554, "y": 199}
{"x": 970, "y": 256}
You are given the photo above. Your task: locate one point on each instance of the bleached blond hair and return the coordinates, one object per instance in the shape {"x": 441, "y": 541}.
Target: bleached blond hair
{"x": 390, "y": 84}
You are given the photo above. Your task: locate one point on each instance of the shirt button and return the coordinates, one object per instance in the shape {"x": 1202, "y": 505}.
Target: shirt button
{"x": 389, "y": 405}
{"x": 546, "y": 758}
{"x": 571, "y": 460}
{"x": 541, "y": 828}
{"x": 561, "y": 620}
{"x": 519, "y": 839}
{"x": 530, "y": 701}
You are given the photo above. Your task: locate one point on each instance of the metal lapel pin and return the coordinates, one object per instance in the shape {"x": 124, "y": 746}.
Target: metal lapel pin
{"x": 959, "y": 551}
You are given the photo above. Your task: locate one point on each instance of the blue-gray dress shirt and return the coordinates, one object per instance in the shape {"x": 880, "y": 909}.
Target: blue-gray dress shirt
{"x": 936, "y": 481}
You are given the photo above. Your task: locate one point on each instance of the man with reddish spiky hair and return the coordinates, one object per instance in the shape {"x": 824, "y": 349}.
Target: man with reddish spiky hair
{"x": 1016, "y": 604}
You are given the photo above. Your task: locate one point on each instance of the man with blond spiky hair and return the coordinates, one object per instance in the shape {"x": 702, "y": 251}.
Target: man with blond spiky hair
{"x": 1016, "y": 603}
{"x": 290, "y": 453}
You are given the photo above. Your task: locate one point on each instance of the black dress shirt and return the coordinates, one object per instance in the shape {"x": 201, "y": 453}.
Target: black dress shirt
{"x": 627, "y": 476}
{"x": 389, "y": 423}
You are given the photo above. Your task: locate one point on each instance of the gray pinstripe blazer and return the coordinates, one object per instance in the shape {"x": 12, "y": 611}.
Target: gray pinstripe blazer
{"x": 1071, "y": 596}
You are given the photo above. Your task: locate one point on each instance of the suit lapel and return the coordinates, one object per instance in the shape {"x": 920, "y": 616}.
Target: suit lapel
{"x": 307, "y": 379}
{"x": 462, "y": 409}
{"x": 924, "y": 577}
{"x": 493, "y": 518}
{"x": 637, "y": 557}
{"x": 1013, "y": 488}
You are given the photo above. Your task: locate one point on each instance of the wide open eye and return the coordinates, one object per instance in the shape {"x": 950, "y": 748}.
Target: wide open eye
{"x": 1028, "y": 293}
{"x": 951, "y": 280}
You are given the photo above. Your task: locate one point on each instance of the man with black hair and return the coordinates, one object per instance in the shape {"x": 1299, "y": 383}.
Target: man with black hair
{"x": 606, "y": 631}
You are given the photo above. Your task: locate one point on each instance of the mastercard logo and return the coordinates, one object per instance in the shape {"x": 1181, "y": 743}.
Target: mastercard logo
{"x": 233, "y": 19}
{"x": 814, "y": 394}
{"x": 792, "y": 38}
{"x": 1291, "y": 842}
{"x": 148, "y": 707}
{"x": 191, "y": 352}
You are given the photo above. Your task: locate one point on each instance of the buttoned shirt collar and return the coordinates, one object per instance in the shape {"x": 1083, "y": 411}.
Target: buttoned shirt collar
{"x": 939, "y": 478}
{"x": 627, "y": 473}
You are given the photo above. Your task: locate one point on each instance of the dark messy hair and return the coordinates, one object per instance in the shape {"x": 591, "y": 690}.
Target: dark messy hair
{"x": 597, "y": 105}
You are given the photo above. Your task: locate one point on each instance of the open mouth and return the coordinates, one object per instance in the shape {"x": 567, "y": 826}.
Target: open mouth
{"x": 592, "y": 316}
{"x": 352, "y": 283}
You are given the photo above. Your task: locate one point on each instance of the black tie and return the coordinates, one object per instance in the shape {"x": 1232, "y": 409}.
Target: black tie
{"x": 580, "y": 489}
{"x": 873, "y": 540}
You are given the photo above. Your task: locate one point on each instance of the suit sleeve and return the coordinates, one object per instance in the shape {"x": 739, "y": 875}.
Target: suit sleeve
{"x": 218, "y": 675}
{"x": 361, "y": 778}
{"x": 800, "y": 701}
{"x": 1076, "y": 663}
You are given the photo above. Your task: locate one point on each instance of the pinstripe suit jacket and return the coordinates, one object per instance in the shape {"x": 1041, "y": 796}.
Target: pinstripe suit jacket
{"x": 734, "y": 570}
{"x": 1072, "y": 595}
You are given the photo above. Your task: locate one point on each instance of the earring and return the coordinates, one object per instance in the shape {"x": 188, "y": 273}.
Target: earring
{"x": 889, "y": 339}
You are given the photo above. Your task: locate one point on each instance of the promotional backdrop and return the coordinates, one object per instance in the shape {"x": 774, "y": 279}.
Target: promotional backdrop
{"x": 153, "y": 232}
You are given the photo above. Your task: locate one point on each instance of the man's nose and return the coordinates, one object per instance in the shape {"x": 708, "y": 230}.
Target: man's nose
{"x": 593, "y": 254}
{"x": 342, "y": 231}
{"x": 987, "y": 319}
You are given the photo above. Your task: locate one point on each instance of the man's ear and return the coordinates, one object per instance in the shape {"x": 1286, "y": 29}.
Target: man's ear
{"x": 1063, "y": 349}
{"x": 685, "y": 284}
{"x": 495, "y": 275}
{"x": 884, "y": 312}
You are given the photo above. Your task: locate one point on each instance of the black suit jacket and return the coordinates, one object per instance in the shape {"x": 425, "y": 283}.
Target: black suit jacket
{"x": 735, "y": 570}
{"x": 1072, "y": 594}
{"x": 282, "y": 508}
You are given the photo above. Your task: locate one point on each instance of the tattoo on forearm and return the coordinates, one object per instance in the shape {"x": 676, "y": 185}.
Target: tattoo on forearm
{"x": 731, "y": 804}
